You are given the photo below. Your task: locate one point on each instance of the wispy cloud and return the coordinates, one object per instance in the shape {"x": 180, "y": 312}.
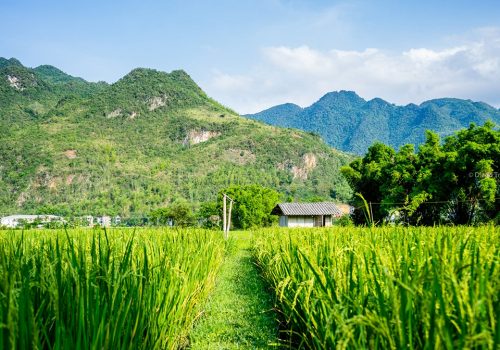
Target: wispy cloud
{"x": 470, "y": 68}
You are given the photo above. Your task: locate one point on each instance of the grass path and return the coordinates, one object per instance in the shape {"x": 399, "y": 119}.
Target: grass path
{"x": 239, "y": 313}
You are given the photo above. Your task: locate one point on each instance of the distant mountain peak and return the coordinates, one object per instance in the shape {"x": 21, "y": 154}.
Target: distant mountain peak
{"x": 19, "y": 78}
{"x": 342, "y": 95}
{"x": 348, "y": 122}
{"x": 9, "y": 62}
{"x": 284, "y": 113}
{"x": 378, "y": 100}
{"x": 286, "y": 106}
{"x": 145, "y": 90}
{"x": 153, "y": 76}
{"x": 55, "y": 75}
{"x": 45, "y": 68}
{"x": 180, "y": 73}
{"x": 140, "y": 72}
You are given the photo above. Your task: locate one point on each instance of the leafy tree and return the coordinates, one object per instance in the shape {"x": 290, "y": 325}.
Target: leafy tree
{"x": 179, "y": 213}
{"x": 367, "y": 176}
{"x": 398, "y": 183}
{"x": 475, "y": 162}
{"x": 160, "y": 216}
{"x": 431, "y": 183}
{"x": 253, "y": 205}
{"x": 209, "y": 215}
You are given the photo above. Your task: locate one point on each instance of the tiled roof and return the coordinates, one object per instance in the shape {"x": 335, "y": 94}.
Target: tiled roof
{"x": 322, "y": 208}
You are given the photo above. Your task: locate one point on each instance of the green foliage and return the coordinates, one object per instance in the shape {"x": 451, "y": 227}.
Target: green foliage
{"x": 384, "y": 288}
{"x": 252, "y": 205}
{"x": 209, "y": 215}
{"x": 366, "y": 176}
{"x": 456, "y": 182}
{"x": 160, "y": 216}
{"x": 344, "y": 221}
{"x": 182, "y": 214}
{"x": 349, "y": 123}
{"x": 179, "y": 213}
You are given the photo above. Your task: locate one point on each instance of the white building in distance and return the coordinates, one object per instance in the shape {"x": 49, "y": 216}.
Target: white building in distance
{"x": 14, "y": 221}
{"x": 104, "y": 221}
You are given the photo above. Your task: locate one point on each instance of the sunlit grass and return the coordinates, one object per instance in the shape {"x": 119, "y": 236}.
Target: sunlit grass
{"x": 399, "y": 288}
{"x": 88, "y": 289}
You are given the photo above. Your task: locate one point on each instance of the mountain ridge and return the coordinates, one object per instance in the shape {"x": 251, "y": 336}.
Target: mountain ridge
{"x": 142, "y": 142}
{"x": 350, "y": 123}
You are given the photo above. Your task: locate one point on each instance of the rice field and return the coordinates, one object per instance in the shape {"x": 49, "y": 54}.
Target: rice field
{"x": 384, "y": 288}
{"x": 90, "y": 289}
{"x": 335, "y": 288}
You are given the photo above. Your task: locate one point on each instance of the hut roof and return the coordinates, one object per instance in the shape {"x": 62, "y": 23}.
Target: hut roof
{"x": 321, "y": 208}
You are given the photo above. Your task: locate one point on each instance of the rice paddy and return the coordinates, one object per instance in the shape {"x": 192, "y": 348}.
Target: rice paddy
{"x": 332, "y": 288}
{"x": 385, "y": 288}
{"x": 90, "y": 289}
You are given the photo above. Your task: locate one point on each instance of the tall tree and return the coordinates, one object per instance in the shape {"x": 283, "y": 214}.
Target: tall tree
{"x": 253, "y": 205}
{"x": 367, "y": 176}
{"x": 474, "y": 157}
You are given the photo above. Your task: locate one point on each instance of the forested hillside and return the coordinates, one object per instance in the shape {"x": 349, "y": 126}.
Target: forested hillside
{"x": 350, "y": 123}
{"x": 72, "y": 147}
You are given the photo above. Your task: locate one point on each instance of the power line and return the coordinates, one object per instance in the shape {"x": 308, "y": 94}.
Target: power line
{"x": 430, "y": 202}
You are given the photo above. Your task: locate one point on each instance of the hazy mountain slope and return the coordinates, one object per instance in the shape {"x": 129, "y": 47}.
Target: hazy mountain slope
{"x": 141, "y": 142}
{"x": 283, "y": 115}
{"x": 348, "y": 122}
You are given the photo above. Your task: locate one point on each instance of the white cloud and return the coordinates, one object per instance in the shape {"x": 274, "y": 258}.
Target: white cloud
{"x": 302, "y": 74}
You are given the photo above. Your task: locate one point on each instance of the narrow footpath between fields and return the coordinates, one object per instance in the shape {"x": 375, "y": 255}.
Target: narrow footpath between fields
{"x": 238, "y": 314}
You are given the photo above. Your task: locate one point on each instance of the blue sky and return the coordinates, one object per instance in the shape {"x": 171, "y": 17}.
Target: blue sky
{"x": 251, "y": 55}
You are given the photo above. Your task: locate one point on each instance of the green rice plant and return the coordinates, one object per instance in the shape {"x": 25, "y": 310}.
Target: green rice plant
{"x": 385, "y": 288}
{"x": 92, "y": 289}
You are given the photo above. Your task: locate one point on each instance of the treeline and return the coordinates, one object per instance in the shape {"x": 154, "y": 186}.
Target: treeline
{"x": 251, "y": 208}
{"x": 452, "y": 182}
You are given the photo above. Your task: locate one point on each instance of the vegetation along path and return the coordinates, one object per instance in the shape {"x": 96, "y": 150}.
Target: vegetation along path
{"x": 239, "y": 313}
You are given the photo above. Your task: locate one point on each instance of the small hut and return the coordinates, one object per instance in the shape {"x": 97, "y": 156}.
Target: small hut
{"x": 307, "y": 214}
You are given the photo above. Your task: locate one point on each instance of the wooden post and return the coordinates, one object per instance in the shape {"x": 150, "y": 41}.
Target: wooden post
{"x": 224, "y": 215}
{"x": 229, "y": 218}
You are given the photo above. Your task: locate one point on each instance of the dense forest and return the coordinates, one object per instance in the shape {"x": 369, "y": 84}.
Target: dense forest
{"x": 456, "y": 181}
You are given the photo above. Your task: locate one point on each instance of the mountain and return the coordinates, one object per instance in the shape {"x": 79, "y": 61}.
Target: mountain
{"x": 73, "y": 147}
{"x": 350, "y": 123}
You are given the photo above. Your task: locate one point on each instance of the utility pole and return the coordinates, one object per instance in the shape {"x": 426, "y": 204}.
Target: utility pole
{"x": 229, "y": 219}
{"x": 226, "y": 217}
{"x": 224, "y": 214}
